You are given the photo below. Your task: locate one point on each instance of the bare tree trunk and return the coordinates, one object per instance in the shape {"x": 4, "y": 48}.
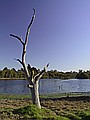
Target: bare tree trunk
{"x": 35, "y": 95}
{"x": 32, "y": 78}
{"x": 34, "y": 87}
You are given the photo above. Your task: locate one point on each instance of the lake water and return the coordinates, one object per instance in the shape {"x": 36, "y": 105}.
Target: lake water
{"x": 45, "y": 86}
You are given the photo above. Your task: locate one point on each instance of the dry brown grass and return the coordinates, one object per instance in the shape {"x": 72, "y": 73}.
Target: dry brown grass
{"x": 67, "y": 104}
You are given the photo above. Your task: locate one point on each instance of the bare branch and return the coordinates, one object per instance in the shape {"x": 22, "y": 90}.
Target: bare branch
{"x": 25, "y": 45}
{"x": 18, "y": 60}
{"x": 29, "y": 27}
{"x": 39, "y": 75}
{"x": 46, "y": 66}
{"x": 20, "y": 39}
{"x": 29, "y": 67}
{"x": 23, "y": 62}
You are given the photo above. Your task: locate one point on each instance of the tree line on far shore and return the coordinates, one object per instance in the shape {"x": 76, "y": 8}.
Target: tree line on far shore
{"x": 52, "y": 74}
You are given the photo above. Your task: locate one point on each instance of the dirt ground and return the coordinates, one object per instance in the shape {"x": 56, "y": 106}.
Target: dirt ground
{"x": 59, "y": 104}
{"x": 68, "y": 104}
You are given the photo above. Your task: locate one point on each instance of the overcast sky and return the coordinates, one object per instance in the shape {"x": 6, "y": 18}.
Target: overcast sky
{"x": 60, "y": 34}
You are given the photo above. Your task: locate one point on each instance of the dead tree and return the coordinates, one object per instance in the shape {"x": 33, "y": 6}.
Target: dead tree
{"x": 32, "y": 78}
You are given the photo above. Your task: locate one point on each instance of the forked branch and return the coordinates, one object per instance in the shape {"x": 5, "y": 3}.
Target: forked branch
{"x": 39, "y": 75}
{"x": 31, "y": 75}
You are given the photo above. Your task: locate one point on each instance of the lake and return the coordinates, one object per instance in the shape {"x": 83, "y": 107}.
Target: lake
{"x": 46, "y": 86}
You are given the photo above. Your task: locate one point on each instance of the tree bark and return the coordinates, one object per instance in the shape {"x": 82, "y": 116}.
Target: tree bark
{"x": 34, "y": 86}
{"x": 35, "y": 95}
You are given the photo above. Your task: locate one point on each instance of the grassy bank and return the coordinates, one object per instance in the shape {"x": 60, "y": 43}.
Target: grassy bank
{"x": 47, "y": 96}
{"x": 19, "y": 107}
{"x": 14, "y": 96}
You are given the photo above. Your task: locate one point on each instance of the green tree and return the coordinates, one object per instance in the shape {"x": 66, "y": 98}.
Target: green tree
{"x": 82, "y": 75}
{"x": 13, "y": 73}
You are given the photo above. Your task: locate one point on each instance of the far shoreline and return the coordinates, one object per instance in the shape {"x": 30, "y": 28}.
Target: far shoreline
{"x": 12, "y": 78}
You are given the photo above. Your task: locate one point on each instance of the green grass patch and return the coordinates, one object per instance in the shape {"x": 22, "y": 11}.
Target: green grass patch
{"x": 86, "y": 115}
{"x": 31, "y": 113}
{"x": 59, "y": 95}
{"x": 72, "y": 116}
{"x": 14, "y": 96}
{"x": 28, "y": 96}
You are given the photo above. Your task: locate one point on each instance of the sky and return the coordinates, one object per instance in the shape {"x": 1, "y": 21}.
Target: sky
{"x": 60, "y": 34}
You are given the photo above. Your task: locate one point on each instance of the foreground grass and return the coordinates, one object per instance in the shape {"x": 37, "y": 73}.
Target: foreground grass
{"x": 19, "y": 107}
{"x": 30, "y": 112}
